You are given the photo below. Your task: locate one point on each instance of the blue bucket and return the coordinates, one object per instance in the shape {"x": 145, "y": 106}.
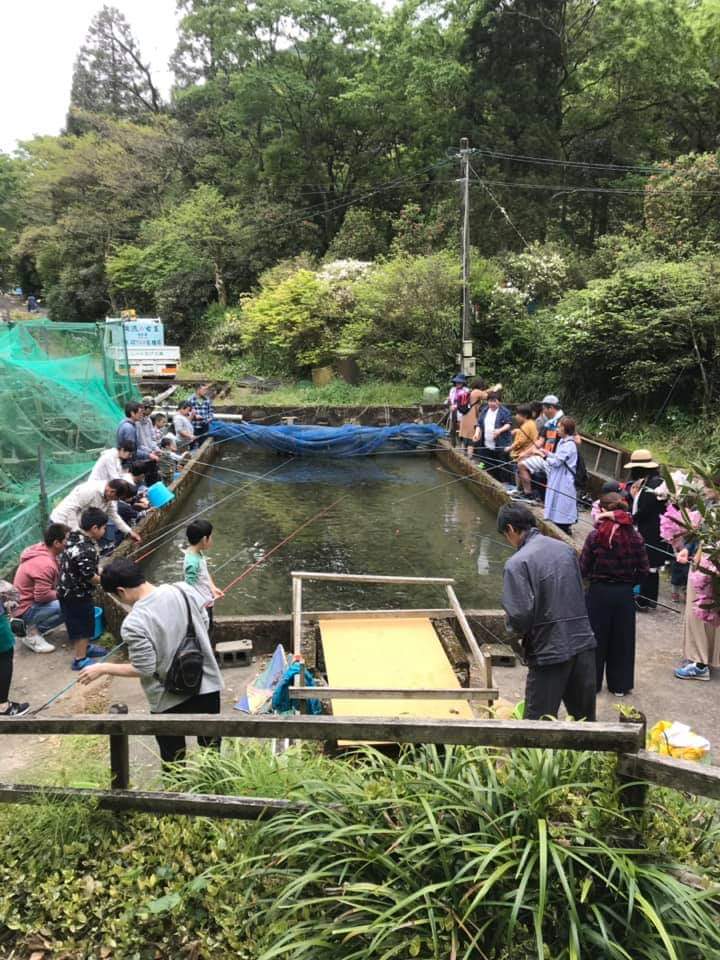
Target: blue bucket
{"x": 159, "y": 496}
{"x": 99, "y": 623}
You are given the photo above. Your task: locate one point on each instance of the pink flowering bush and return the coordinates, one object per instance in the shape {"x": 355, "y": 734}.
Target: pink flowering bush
{"x": 675, "y": 521}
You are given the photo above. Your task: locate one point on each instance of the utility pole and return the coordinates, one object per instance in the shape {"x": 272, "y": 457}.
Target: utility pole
{"x": 467, "y": 347}
{"x": 43, "y": 498}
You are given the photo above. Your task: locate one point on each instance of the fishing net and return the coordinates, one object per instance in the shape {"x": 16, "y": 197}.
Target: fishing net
{"x": 339, "y": 442}
{"x": 61, "y": 394}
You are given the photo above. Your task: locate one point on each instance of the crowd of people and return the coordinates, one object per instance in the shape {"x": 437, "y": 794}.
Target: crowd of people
{"x": 55, "y": 581}
{"x": 576, "y": 613}
{"x": 536, "y": 453}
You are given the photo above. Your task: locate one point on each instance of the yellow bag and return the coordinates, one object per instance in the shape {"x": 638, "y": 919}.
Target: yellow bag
{"x": 678, "y": 740}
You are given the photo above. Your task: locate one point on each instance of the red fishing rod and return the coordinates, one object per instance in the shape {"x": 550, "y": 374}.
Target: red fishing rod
{"x": 282, "y": 543}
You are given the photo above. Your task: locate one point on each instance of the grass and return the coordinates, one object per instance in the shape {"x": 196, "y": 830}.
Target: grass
{"x": 336, "y": 393}
{"x": 302, "y": 393}
{"x": 678, "y": 438}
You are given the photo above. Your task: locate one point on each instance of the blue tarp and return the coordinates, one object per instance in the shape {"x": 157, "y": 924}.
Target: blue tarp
{"x": 346, "y": 441}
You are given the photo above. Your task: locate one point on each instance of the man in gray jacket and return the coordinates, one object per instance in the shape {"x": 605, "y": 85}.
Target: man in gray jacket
{"x": 544, "y": 602}
{"x": 153, "y": 630}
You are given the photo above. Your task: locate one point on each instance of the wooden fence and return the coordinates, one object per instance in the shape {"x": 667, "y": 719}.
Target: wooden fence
{"x": 636, "y": 767}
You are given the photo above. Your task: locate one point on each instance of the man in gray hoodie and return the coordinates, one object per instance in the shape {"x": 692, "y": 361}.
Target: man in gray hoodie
{"x": 153, "y": 630}
{"x": 544, "y": 603}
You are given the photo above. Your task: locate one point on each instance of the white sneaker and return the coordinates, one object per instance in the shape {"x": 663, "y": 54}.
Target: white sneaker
{"x": 37, "y": 643}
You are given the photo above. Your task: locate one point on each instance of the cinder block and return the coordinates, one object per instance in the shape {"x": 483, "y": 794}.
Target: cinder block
{"x": 234, "y": 653}
{"x": 501, "y": 654}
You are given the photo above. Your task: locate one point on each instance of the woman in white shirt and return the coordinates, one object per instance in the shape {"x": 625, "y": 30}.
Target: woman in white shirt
{"x": 113, "y": 463}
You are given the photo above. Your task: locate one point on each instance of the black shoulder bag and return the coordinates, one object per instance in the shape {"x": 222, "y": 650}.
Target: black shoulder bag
{"x": 184, "y": 674}
{"x": 579, "y": 474}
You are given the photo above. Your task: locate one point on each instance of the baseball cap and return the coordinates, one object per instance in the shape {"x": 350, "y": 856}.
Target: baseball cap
{"x": 550, "y": 401}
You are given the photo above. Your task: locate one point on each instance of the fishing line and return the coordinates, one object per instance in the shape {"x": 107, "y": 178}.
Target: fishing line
{"x": 569, "y": 496}
{"x": 173, "y": 528}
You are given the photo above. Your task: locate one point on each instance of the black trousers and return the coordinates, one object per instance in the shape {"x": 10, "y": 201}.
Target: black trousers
{"x": 649, "y": 589}
{"x": 495, "y": 463}
{"x": 611, "y": 608}
{"x": 152, "y": 471}
{"x": 201, "y": 431}
{"x": 571, "y": 682}
{"x": 173, "y": 749}
{"x": 6, "y": 672}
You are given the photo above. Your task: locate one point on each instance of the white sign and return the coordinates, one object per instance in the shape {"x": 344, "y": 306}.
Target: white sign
{"x": 140, "y": 333}
{"x": 144, "y": 333}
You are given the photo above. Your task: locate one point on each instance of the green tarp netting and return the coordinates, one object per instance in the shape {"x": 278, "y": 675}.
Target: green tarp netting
{"x": 60, "y": 392}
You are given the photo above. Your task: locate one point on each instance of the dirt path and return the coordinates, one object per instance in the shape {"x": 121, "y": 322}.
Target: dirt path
{"x": 38, "y": 676}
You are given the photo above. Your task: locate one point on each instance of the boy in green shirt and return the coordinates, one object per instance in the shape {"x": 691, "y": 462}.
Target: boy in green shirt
{"x": 195, "y": 568}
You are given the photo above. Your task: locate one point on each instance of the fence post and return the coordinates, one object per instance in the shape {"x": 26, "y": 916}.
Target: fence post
{"x": 119, "y": 754}
{"x": 633, "y": 794}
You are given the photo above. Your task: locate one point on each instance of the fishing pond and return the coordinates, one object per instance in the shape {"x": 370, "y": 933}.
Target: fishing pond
{"x": 391, "y": 514}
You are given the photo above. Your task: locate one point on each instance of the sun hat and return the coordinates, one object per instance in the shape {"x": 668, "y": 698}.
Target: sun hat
{"x": 640, "y": 458}
{"x": 459, "y": 378}
{"x": 550, "y": 401}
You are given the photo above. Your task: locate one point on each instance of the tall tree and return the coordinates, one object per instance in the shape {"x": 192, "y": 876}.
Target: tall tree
{"x": 110, "y": 76}
{"x": 305, "y": 98}
{"x": 88, "y": 194}
{"x": 12, "y": 184}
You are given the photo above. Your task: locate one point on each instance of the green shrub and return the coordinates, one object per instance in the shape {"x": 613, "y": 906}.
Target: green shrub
{"x": 405, "y": 324}
{"x": 633, "y": 335}
{"x": 287, "y": 327}
{"x": 457, "y": 852}
{"x": 540, "y": 271}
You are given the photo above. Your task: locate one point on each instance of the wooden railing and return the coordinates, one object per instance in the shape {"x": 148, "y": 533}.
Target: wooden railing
{"x": 482, "y": 663}
{"x": 636, "y": 767}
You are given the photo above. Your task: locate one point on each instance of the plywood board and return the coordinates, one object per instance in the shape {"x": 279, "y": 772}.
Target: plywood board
{"x": 389, "y": 653}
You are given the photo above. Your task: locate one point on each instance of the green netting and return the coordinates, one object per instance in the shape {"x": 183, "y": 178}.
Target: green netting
{"x": 60, "y": 393}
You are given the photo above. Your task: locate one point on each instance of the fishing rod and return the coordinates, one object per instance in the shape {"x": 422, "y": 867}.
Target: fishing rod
{"x": 266, "y": 556}
{"x": 69, "y": 686}
{"x": 569, "y": 496}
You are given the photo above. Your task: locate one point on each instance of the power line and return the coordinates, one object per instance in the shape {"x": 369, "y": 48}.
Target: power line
{"x": 321, "y": 208}
{"x": 497, "y": 203}
{"x": 577, "y": 164}
{"x": 571, "y": 188}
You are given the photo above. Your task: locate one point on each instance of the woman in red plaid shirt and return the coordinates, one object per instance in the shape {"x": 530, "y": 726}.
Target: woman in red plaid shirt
{"x": 613, "y": 560}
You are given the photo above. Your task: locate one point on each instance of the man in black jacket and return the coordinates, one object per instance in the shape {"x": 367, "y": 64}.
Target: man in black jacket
{"x": 544, "y": 602}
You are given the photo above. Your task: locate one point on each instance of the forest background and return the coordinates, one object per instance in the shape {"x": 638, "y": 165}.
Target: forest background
{"x": 297, "y": 200}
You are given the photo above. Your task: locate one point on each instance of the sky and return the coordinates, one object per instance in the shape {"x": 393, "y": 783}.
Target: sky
{"x": 41, "y": 39}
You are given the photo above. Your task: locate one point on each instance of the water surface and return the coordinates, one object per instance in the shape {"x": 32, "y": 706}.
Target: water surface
{"x": 398, "y": 514}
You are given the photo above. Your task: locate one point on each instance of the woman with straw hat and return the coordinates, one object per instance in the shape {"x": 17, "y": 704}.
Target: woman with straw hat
{"x": 649, "y": 497}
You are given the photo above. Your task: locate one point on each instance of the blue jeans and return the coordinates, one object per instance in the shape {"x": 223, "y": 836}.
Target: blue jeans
{"x": 44, "y": 616}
